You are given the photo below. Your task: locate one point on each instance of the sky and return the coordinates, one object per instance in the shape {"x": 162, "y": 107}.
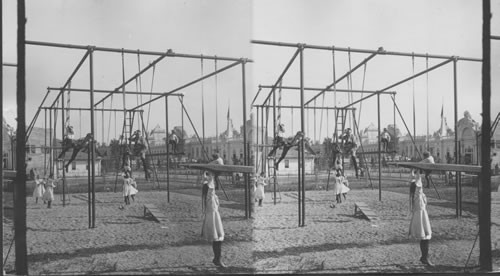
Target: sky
{"x": 448, "y": 27}
{"x": 225, "y": 28}
{"x": 216, "y": 28}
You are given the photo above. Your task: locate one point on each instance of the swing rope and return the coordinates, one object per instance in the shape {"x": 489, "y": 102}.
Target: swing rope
{"x": 427, "y": 97}
{"x": 204, "y": 150}
{"x": 202, "y": 107}
{"x": 138, "y": 85}
{"x": 182, "y": 118}
{"x": 349, "y": 83}
{"x": 68, "y": 103}
{"x": 321, "y": 117}
{"x": 413, "y": 81}
{"x": 334, "y": 78}
{"x": 80, "y": 123}
{"x": 123, "y": 98}
{"x": 216, "y": 108}
{"x": 278, "y": 118}
{"x": 151, "y": 96}
{"x": 314, "y": 116}
{"x": 109, "y": 121}
{"x": 139, "y": 98}
{"x": 102, "y": 123}
{"x": 362, "y": 89}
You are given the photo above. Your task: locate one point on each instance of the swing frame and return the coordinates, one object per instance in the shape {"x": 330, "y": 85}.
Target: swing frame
{"x": 299, "y": 52}
{"x": 89, "y": 57}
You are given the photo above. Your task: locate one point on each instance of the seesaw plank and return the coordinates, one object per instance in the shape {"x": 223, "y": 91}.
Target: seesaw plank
{"x": 438, "y": 167}
{"x": 220, "y": 168}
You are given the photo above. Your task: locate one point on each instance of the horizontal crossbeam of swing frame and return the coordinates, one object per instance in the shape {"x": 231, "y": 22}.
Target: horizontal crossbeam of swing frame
{"x": 134, "y": 77}
{"x": 170, "y": 53}
{"x": 327, "y": 90}
{"x": 241, "y": 61}
{"x": 403, "y": 81}
{"x": 72, "y": 75}
{"x": 367, "y": 51}
{"x": 305, "y": 107}
{"x": 280, "y": 78}
{"x": 89, "y": 109}
{"x": 112, "y": 91}
{"x": 8, "y": 64}
{"x": 364, "y": 62}
{"x": 61, "y": 91}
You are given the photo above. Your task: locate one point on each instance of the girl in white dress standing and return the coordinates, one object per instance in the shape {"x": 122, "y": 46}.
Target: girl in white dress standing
{"x": 340, "y": 187}
{"x": 48, "y": 195}
{"x": 126, "y": 185}
{"x": 39, "y": 188}
{"x": 420, "y": 226}
{"x": 133, "y": 188}
{"x": 260, "y": 182}
{"x": 211, "y": 229}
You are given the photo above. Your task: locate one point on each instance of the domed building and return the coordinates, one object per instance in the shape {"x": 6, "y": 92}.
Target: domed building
{"x": 157, "y": 136}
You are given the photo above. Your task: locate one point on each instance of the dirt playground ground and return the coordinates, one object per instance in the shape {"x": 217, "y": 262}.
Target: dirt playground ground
{"x": 333, "y": 240}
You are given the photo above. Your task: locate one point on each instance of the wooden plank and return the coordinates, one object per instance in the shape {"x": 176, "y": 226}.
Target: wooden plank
{"x": 438, "y": 167}
{"x": 156, "y": 213}
{"x": 220, "y": 168}
{"x": 365, "y": 211}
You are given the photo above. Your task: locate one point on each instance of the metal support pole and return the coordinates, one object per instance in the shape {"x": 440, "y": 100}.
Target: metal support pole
{"x": 245, "y": 144}
{"x": 168, "y": 149}
{"x": 353, "y": 50}
{"x": 257, "y": 141}
{"x": 485, "y": 254}
{"x": 457, "y": 147}
{"x": 107, "y": 91}
{"x": 302, "y": 127}
{"x": 284, "y": 87}
{"x": 264, "y": 141}
{"x": 274, "y": 137}
{"x": 92, "y": 131}
{"x": 62, "y": 135}
{"x": 89, "y": 186}
{"x": 308, "y": 107}
{"x": 45, "y": 143}
{"x": 379, "y": 154}
{"x": 1, "y": 145}
{"x": 21, "y": 262}
{"x": 169, "y": 53}
{"x": 299, "y": 190}
{"x": 51, "y": 143}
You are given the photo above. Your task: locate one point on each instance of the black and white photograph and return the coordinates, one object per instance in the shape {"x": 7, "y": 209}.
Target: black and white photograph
{"x": 203, "y": 137}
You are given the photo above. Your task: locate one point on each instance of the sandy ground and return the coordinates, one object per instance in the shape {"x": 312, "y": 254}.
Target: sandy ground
{"x": 333, "y": 240}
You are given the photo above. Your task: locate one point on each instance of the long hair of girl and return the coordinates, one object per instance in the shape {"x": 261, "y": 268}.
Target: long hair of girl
{"x": 413, "y": 188}
{"x": 204, "y": 192}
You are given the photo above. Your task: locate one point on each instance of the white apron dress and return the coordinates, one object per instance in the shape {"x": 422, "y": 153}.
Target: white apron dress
{"x": 212, "y": 229}
{"x": 39, "y": 189}
{"x": 420, "y": 226}
{"x": 340, "y": 186}
{"x": 259, "y": 188}
{"x": 132, "y": 189}
{"x": 48, "y": 195}
{"x": 127, "y": 186}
